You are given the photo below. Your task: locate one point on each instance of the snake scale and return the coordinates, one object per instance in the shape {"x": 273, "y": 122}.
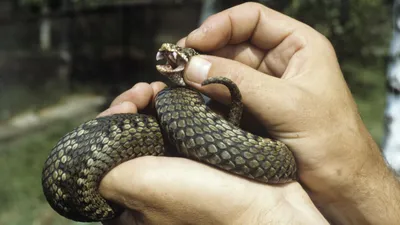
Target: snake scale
{"x": 184, "y": 124}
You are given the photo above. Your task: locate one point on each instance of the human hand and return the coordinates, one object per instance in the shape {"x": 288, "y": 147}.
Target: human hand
{"x": 292, "y": 84}
{"x": 165, "y": 190}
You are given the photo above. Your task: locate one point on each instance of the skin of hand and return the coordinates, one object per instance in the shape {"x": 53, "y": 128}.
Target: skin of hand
{"x": 292, "y": 85}
{"x": 166, "y": 190}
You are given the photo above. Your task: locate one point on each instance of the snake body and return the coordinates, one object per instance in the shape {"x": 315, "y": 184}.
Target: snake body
{"x": 81, "y": 158}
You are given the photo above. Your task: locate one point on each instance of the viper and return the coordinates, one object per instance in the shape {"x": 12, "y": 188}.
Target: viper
{"x": 184, "y": 127}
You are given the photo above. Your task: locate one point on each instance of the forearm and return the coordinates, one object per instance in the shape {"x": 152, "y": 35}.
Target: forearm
{"x": 379, "y": 207}
{"x": 371, "y": 197}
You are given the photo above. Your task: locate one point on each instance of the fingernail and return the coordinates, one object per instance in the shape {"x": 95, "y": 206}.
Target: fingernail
{"x": 198, "y": 69}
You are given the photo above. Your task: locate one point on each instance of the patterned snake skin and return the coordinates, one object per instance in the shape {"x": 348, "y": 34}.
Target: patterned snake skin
{"x": 184, "y": 125}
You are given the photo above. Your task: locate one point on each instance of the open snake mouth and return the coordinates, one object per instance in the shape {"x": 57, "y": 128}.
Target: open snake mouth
{"x": 174, "y": 62}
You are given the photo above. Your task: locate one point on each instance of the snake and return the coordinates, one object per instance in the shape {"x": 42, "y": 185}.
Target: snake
{"x": 184, "y": 126}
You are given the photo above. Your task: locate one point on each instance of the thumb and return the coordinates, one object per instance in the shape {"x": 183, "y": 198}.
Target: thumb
{"x": 165, "y": 193}
{"x": 265, "y": 97}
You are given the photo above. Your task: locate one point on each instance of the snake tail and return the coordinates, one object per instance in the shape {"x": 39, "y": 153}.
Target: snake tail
{"x": 236, "y": 105}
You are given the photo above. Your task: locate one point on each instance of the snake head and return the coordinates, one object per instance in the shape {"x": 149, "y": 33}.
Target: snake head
{"x": 176, "y": 59}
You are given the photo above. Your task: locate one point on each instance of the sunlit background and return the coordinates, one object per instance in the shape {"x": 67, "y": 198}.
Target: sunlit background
{"x": 63, "y": 61}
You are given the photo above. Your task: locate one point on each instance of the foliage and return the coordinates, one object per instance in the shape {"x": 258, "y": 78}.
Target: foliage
{"x": 358, "y": 29}
{"x": 36, "y": 5}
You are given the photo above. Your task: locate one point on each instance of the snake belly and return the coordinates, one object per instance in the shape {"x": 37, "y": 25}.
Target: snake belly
{"x": 81, "y": 158}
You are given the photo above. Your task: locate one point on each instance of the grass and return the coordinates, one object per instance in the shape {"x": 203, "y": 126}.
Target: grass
{"x": 21, "y": 160}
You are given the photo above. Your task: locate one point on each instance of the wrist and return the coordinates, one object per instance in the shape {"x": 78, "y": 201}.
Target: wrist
{"x": 369, "y": 195}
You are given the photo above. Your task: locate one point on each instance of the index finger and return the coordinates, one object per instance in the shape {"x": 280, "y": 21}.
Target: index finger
{"x": 253, "y": 22}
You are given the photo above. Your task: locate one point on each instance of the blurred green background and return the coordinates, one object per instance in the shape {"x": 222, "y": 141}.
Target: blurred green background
{"x": 63, "y": 61}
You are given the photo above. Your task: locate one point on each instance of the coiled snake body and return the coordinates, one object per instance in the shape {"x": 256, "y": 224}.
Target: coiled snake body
{"x": 82, "y": 157}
